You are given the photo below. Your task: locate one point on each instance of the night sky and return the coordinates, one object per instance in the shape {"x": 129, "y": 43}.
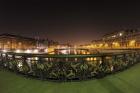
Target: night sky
{"x": 73, "y": 22}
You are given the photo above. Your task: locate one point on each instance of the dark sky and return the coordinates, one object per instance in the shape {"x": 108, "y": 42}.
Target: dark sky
{"x": 74, "y": 22}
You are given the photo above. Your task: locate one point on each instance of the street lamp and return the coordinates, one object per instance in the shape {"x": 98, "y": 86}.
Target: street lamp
{"x": 28, "y": 51}
{"x": 18, "y": 51}
{"x": 4, "y": 50}
{"x": 35, "y": 51}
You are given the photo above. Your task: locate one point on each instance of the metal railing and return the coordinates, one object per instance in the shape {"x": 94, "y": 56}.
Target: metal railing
{"x": 68, "y": 67}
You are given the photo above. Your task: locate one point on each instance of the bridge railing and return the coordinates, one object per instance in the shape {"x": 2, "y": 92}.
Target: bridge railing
{"x": 68, "y": 67}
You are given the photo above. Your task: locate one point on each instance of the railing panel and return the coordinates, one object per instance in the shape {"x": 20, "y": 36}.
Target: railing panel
{"x": 63, "y": 68}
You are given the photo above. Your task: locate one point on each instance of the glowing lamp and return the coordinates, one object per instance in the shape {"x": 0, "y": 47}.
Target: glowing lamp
{"x": 35, "y": 51}
{"x": 46, "y": 50}
{"x": 4, "y": 51}
{"x": 28, "y": 51}
{"x": 18, "y": 51}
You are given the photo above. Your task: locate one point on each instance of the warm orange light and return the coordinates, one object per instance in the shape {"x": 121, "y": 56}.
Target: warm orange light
{"x": 95, "y": 59}
{"x": 116, "y": 44}
{"x": 132, "y": 43}
{"x": 106, "y": 45}
{"x": 88, "y": 59}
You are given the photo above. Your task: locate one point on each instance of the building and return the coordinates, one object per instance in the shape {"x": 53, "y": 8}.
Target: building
{"x": 125, "y": 39}
{"x": 43, "y": 43}
{"x": 11, "y": 42}
{"x": 14, "y": 42}
{"x": 129, "y": 38}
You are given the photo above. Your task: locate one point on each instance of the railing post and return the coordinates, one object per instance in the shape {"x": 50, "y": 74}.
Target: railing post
{"x": 13, "y": 57}
{"x": 6, "y": 60}
{"x": 61, "y": 70}
{"x": 0, "y": 59}
{"x": 40, "y": 62}
{"x": 24, "y": 58}
{"x": 101, "y": 65}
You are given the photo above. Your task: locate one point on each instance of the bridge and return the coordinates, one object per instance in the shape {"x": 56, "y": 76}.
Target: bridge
{"x": 68, "y": 67}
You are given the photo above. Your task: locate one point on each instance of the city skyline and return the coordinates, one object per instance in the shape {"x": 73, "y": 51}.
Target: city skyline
{"x": 69, "y": 46}
{"x": 72, "y": 22}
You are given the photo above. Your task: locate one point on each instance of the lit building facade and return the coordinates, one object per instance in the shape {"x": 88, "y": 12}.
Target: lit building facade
{"x": 12, "y": 42}
{"x": 121, "y": 39}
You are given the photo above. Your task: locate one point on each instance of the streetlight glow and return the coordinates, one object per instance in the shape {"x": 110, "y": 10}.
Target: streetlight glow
{"x": 4, "y": 50}
{"x": 46, "y": 50}
{"x": 121, "y": 34}
{"x": 28, "y": 51}
{"x": 18, "y": 51}
{"x": 36, "y": 51}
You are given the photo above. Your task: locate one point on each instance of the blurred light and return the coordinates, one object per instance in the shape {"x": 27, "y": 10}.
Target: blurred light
{"x": 36, "y": 51}
{"x": 75, "y": 52}
{"x": 95, "y": 59}
{"x": 112, "y": 68}
{"x": 46, "y": 50}
{"x": 18, "y": 51}
{"x": 28, "y": 51}
{"x": 87, "y": 52}
{"x": 88, "y": 59}
{"x": 8, "y": 42}
{"x": 4, "y": 55}
{"x": 91, "y": 59}
{"x": 75, "y": 46}
{"x": 36, "y": 58}
{"x": 100, "y": 62}
{"x": 29, "y": 58}
{"x": 114, "y": 36}
{"x": 106, "y": 45}
{"x": 4, "y": 50}
{"x": 75, "y": 59}
{"x": 121, "y": 34}
{"x": 64, "y": 51}
{"x": 132, "y": 43}
{"x": 20, "y": 64}
{"x": 116, "y": 44}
